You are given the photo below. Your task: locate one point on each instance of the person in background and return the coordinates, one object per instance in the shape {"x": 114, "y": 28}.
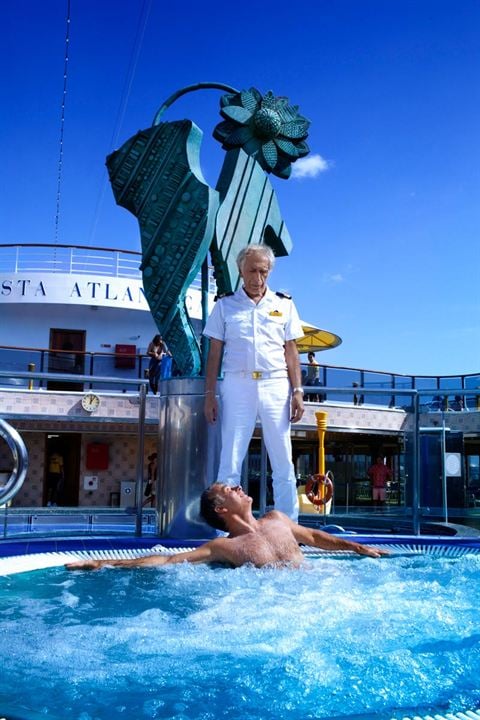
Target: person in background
{"x": 166, "y": 364}
{"x": 458, "y": 403}
{"x": 156, "y": 350}
{"x": 271, "y": 541}
{"x": 313, "y": 375}
{"x": 379, "y": 473}
{"x": 255, "y": 330}
{"x": 151, "y": 480}
{"x": 55, "y": 478}
{"x": 356, "y": 399}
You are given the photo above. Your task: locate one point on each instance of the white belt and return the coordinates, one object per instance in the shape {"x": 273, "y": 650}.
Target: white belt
{"x": 259, "y": 374}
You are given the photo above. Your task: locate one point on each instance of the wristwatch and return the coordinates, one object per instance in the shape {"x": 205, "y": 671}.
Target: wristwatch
{"x": 297, "y": 389}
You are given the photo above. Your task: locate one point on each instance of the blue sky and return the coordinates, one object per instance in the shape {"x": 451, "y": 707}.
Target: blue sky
{"x": 385, "y": 231}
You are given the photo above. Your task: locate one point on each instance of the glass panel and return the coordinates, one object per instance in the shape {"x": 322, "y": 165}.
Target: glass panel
{"x": 450, "y": 382}
{"x": 342, "y": 378}
{"x": 472, "y": 381}
{"x": 473, "y": 480}
{"x": 429, "y": 403}
{"x": 106, "y": 366}
{"x": 452, "y": 401}
{"x": 443, "y": 492}
{"x": 378, "y": 380}
{"x": 472, "y": 402}
{"x": 12, "y": 360}
{"x": 403, "y": 382}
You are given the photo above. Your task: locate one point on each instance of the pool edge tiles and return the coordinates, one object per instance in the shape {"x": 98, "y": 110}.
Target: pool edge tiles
{"x": 29, "y": 546}
{"x": 465, "y": 715}
{"x": 29, "y": 556}
{"x": 40, "y": 561}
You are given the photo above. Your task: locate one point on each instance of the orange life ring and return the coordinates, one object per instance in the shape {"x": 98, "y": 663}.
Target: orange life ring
{"x": 319, "y": 489}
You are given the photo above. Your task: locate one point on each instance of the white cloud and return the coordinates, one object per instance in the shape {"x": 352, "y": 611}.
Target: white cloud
{"x": 309, "y": 167}
{"x": 333, "y": 278}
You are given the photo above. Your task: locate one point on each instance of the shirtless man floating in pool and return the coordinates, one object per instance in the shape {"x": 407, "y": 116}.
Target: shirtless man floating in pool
{"x": 272, "y": 540}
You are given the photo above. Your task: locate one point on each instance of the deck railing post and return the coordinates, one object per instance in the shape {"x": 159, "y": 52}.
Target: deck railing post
{"x": 416, "y": 465}
{"x": 263, "y": 478}
{"x": 140, "y": 461}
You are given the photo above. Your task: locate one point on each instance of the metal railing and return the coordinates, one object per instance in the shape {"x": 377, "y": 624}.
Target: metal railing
{"x": 82, "y": 260}
{"x": 79, "y": 260}
{"x": 438, "y": 392}
{"x": 93, "y": 370}
{"x": 415, "y": 484}
{"x": 20, "y": 462}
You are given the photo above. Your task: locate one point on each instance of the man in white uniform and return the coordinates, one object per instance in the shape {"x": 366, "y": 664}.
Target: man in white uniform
{"x": 256, "y": 330}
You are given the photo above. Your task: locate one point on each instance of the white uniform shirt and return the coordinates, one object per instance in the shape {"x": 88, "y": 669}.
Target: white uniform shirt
{"x": 254, "y": 335}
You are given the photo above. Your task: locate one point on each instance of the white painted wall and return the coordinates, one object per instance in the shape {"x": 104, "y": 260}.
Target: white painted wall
{"x": 29, "y": 326}
{"x": 111, "y": 310}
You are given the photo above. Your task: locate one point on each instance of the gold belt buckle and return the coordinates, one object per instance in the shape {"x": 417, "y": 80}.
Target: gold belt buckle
{"x": 256, "y": 375}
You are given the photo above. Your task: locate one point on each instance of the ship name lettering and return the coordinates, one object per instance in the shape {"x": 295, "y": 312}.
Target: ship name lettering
{"x": 94, "y": 286}
{"x": 107, "y": 293}
{"x": 23, "y": 286}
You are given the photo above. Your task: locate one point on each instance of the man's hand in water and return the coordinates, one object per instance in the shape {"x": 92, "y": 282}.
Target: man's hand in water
{"x": 85, "y": 565}
{"x": 370, "y": 551}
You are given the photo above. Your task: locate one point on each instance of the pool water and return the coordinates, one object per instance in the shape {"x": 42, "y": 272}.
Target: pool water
{"x": 342, "y": 638}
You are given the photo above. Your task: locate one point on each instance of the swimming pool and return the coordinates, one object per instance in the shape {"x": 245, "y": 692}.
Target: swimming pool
{"x": 345, "y": 637}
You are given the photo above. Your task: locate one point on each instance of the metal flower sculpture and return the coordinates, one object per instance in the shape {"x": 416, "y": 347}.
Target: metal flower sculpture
{"x": 267, "y": 128}
{"x": 157, "y": 176}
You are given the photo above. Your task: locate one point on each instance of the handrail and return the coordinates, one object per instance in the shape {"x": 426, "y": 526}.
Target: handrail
{"x": 20, "y": 462}
{"x": 90, "y": 248}
{"x": 68, "y": 377}
{"x": 304, "y": 365}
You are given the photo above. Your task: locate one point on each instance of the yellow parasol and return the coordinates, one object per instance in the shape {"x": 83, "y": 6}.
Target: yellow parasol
{"x": 316, "y": 339}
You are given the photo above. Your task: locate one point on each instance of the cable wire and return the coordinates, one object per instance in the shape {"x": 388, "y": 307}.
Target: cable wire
{"x": 122, "y": 108}
{"x": 62, "y": 124}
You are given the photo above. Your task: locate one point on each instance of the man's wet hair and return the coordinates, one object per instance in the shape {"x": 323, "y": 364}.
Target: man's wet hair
{"x": 208, "y": 503}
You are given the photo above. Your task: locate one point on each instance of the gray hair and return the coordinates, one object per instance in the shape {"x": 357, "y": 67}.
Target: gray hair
{"x": 256, "y": 249}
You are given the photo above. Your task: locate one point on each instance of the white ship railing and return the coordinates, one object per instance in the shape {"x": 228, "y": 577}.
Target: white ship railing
{"x": 78, "y": 260}
{"x": 69, "y": 259}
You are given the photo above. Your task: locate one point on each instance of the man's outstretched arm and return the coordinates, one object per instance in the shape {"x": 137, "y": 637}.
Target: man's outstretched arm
{"x": 326, "y": 541}
{"x": 209, "y": 552}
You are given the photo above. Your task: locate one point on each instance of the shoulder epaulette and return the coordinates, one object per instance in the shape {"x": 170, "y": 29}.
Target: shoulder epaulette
{"x": 222, "y": 295}
{"x": 283, "y": 295}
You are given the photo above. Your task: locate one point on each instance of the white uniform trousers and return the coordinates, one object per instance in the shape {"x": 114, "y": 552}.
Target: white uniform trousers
{"x": 243, "y": 400}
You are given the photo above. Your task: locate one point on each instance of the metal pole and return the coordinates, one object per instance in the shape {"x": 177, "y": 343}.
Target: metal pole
{"x": 163, "y": 441}
{"x": 416, "y": 466}
{"x": 321, "y": 427}
{"x": 203, "y": 340}
{"x": 321, "y": 417}
{"x": 31, "y": 368}
{"x": 444, "y": 472}
{"x": 263, "y": 478}
{"x": 244, "y": 480}
{"x": 140, "y": 461}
